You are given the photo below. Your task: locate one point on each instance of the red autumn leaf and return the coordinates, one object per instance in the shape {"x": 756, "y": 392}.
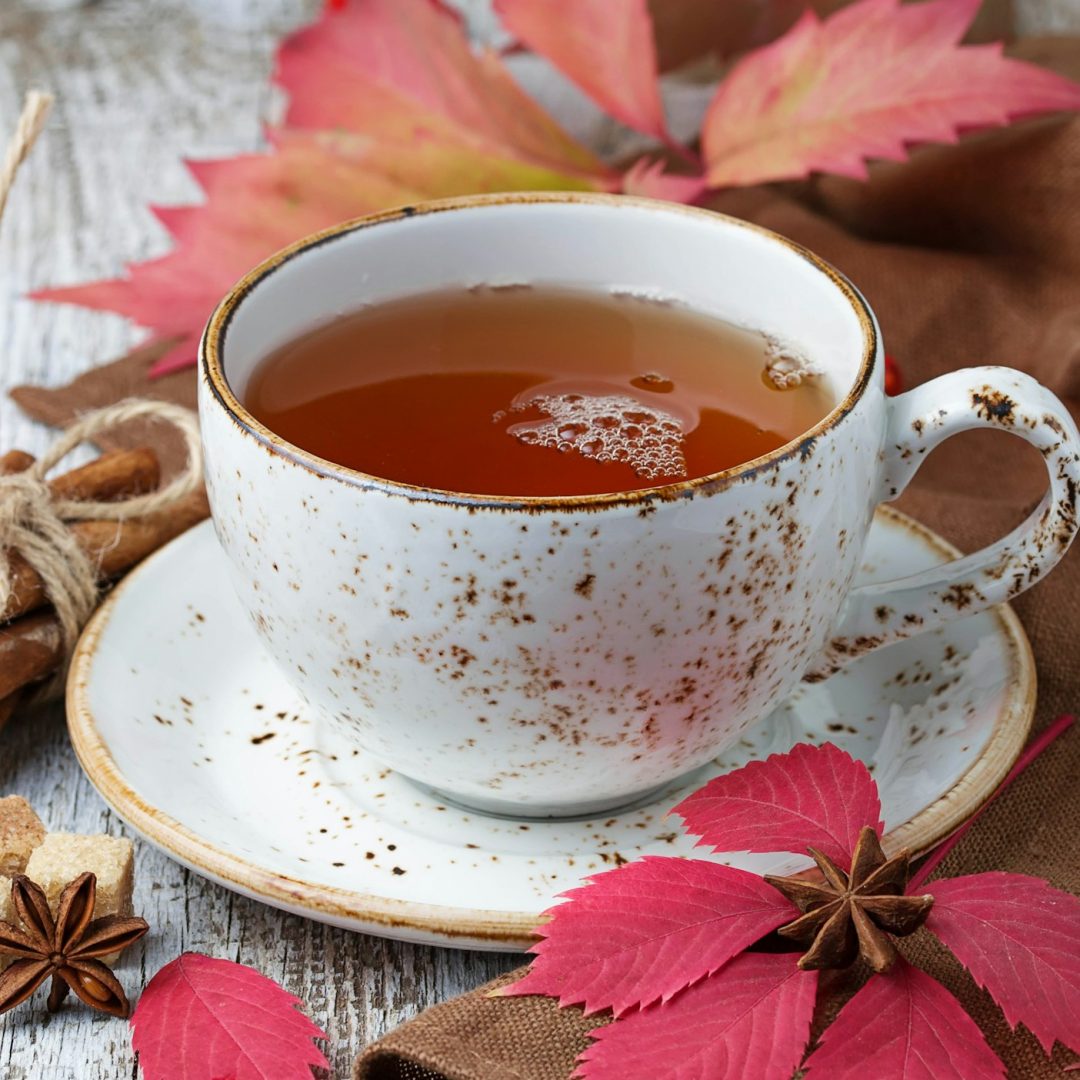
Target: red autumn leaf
{"x": 643, "y": 932}
{"x": 752, "y": 1020}
{"x": 1020, "y": 939}
{"x": 437, "y": 120}
{"x": 259, "y": 203}
{"x": 395, "y": 105}
{"x": 387, "y": 67}
{"x": 865, "y": 83}
{"x": 256, "y": 204}
{"x": 206, "y": 1019}
{"x": 903, "y": 1026}
{"x": 814, "y": 796}
{"x": 729, "y": 1017}
{"x": 605, "y": 46}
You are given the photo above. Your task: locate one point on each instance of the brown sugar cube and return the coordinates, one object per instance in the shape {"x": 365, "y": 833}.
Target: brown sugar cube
{"x": 20, "y": 832}
{"x": 62, "y": 857}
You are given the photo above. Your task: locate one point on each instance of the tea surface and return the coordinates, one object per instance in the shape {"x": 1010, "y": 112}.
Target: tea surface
{"x": 530, "y": 391}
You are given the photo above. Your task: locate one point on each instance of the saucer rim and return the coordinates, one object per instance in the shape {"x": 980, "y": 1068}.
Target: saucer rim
{"x": 465, "y": 927}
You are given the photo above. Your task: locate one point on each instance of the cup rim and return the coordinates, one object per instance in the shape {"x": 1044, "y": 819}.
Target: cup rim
{"x": 213, "y": 343}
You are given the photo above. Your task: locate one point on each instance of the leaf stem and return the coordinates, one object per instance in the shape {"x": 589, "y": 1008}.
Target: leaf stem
{"x": 1037, "y": 746}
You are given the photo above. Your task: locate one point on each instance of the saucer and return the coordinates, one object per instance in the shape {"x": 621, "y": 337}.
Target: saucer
{"x": 191, "y": 734}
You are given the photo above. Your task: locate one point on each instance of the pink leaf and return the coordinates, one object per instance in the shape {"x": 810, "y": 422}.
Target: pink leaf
{"x": 1020, "y": 939}
{"x": 750, "y": 1019}
{"x": 641, "y": 933}
{"x": 650, "y": 180}
{"x": 205, "y": 1019}
{"x": 258, "y": 203}
{"x": 430, "y": 119}
{"x": 903, "y": 1026}
{"x": 383, "y": 67}
{"x": 813, "y": 796}
{"x": 605, "y": 46}
{"x": 865, "y": 83}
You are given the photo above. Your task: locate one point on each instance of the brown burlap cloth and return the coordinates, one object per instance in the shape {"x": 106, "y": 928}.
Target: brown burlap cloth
{"x": 969, "y": 255}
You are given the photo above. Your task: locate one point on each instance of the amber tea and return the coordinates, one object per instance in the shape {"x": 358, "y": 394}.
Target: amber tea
{"x": 532, "y": 391}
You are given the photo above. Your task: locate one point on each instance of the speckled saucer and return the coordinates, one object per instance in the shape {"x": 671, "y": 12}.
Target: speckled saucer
{"x": 191, "y": 734}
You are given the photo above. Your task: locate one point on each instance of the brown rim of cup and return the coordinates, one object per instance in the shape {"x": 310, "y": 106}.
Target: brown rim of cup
{"x": 212, "y": 348}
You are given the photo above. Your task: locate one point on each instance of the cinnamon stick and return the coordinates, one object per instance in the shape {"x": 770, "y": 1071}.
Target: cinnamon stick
{"x": 25, "y": 643}
{"x": 116, "y": 475}
{"x": 112, "y": 547}
{"x": 30, "y": 648}
{"x": 15, "y": 461}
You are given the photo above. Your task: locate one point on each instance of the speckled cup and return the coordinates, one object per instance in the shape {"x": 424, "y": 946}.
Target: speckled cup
{"x": 558, "y": 656}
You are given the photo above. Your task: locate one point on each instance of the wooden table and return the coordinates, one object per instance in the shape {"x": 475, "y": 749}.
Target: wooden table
{"x": 139, "y": 84}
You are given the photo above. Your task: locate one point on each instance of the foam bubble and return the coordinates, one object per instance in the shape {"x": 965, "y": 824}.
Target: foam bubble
{"x": 606, "y": 427}
{"x": 786, "y": 366}
{"x": 653, "y": 382}
{"x": 646, "y": 295}
{"x": 499, "y": 286}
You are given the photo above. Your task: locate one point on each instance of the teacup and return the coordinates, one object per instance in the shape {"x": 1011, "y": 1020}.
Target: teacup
{"x": 561, "y": 656}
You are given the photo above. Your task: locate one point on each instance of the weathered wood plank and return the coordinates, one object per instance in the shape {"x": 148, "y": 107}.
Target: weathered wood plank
{"x": 140, "y": 85}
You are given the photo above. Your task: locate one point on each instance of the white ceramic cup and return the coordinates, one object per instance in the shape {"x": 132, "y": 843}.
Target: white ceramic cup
{"x": 549, "y": 656}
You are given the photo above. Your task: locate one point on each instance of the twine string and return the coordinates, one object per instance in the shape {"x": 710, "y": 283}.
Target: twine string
{"x": 35, "y": 110}
{"x": 35, "y": 525}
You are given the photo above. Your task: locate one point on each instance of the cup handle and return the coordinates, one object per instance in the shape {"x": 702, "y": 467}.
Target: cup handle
{"x": 983, "y": 397}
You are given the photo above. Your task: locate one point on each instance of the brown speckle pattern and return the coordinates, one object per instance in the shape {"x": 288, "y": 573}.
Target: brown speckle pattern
{"x": 993, "y": 406}
{"x": 581, "y": 661}
{"x": 983, "y": 397}
{"x": 614, "y": 643}
{"x": 308, "y": 813}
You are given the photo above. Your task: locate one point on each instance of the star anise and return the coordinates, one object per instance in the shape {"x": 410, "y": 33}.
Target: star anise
{"x": 66, "y": 947}
{"x": 852, "y": 915}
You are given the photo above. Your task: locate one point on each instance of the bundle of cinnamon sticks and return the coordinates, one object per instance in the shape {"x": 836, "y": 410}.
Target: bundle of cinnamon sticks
{"x": 31, "y": 643}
